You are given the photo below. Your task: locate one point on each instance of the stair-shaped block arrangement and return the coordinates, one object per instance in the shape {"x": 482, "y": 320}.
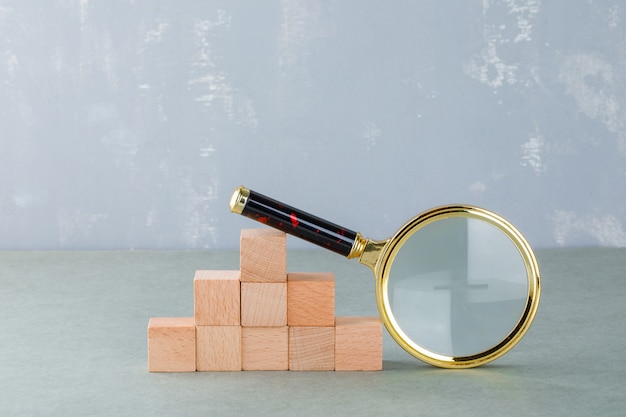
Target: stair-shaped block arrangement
{"x": 263, "y": 318}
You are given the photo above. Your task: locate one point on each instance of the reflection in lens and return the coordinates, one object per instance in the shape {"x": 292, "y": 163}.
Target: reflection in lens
{"x": 458, "y": 286}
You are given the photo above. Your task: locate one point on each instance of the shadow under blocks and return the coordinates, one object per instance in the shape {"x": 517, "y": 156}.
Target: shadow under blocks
{"x": 263, "y": 318}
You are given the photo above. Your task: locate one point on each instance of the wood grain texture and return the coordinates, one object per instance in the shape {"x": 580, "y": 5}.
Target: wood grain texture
{"x": 265, "y": 348}
{"x": 263, "y": 255}
{"x": 358, "y": 344}
{"x": 311, "y": 299}
{"x": 217, "y": 299}
{"x": 264, "y": 304}
{"x": 311, "y": 348}
{"x": 218, "y": 348}
{"x": 172, "y": 345}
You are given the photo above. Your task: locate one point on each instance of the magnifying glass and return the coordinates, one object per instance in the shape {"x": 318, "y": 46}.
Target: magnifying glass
{"x": 457, "y": 286}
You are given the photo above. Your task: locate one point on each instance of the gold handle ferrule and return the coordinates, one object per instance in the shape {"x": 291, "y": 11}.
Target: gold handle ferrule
{"x": 358, "y": 246}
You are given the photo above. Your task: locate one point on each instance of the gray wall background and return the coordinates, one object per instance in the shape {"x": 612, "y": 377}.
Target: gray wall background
{"x": 127, "y": 124}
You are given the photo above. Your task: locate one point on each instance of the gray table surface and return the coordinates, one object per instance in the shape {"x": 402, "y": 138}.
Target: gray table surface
{"x": 73, "y": 342}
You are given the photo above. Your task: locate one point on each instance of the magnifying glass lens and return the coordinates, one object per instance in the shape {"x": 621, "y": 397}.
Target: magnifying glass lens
{"x": 457, "y": 287}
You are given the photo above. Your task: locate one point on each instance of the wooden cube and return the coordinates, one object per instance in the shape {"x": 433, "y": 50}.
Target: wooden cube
{"x": 218, "y": 348}
{"x": 172, "y": 345}
{"x": 265, "y": 348}
{"x": 358, "y": 344}
{"x": 263, "y": 255}
{"x": 264, "y": 304}
{"x": 311, "y": 348}
{"x": 217, "y": 298}
{"x": 311, "y": 299}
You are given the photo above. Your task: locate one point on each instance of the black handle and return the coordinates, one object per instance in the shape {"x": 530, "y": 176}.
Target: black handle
{"x": 292, "y": 221}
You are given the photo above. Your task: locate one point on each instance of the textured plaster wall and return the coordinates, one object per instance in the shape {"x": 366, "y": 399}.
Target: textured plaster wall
{"x": 126, "y": 124}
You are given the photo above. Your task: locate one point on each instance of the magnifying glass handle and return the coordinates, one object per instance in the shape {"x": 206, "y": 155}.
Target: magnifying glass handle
{"x": 292, "y": 221}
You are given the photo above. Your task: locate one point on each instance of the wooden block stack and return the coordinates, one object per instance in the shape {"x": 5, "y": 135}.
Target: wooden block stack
{"x": 311, "y": 319}
{"x": 217, "y": 318}
{"x": 263, "y": 318}
{"x": 263, "y": 262}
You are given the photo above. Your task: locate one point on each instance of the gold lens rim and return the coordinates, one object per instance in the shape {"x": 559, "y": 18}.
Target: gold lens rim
{"x": 389, "y": 252}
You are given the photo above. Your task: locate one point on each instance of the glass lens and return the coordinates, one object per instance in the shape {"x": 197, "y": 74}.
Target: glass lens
{"x": 457, "y": 286}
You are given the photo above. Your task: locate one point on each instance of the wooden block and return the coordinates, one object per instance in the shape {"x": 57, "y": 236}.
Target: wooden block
{"x": 216, "y": 298}
{"x": 264, "y": 304}
{"x": 263, "y": 255}
{"x": 172, "y": 345}
{"x": 311, "y": 348}
{"x": 218, "y": 348}
{"x": 358, "y": 344}
{"x": 311, "y": 299}
{"x": 265, "y": 348}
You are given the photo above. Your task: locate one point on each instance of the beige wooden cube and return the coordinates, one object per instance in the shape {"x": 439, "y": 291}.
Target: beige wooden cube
{"x": 264, "y": 304}
{"x": 217, "y": 298}
{"x": 311, "y": 348}
{"x": 263, "y": 255}
{"x": 265, "y": 348}
{"x": 358, "y": 344}
{"x": 172, "y": 345}
{"x": 311, "y": 299}
{"x": 218, "y": 348}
